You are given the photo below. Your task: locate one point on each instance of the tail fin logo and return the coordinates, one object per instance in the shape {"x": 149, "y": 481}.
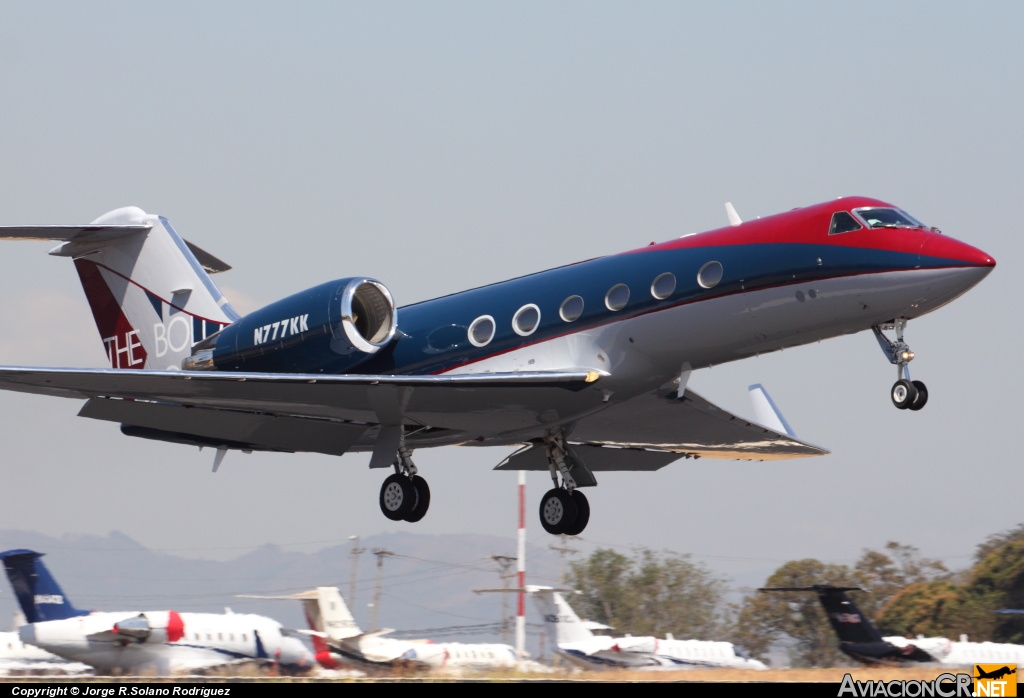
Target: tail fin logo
{"x": 125, "y": 351}
{"x": 56, "y": 599}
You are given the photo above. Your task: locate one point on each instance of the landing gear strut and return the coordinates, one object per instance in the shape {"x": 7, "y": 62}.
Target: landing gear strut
{"x": 404, "y": 496}
{"x": 905, "y": 393}
{"x": 563, "y": 509}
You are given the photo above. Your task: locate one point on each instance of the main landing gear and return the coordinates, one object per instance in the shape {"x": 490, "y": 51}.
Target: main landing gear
{"x": 905, "y": 393}
{"x": 404, "y": 496}
{"x": 563, "y": 509}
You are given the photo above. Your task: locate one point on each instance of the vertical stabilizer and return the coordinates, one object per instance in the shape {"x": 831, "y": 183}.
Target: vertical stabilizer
{"x": 148, "y": 289}
{"x": 39, "y": 595}
{"x": 337, "y": 621}
{"x": 561, "y": 621}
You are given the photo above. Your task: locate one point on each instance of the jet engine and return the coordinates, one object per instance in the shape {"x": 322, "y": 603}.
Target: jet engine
{"x": 332, "y": 328}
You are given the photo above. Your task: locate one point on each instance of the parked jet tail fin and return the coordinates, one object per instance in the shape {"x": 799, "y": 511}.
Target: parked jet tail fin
{"x": 849, "y": 623}
{"x": 149, "y": 290}
{"x": 561, "y": 621}
{"x": 326, "y": 612}
{"x": 39, "y": 595}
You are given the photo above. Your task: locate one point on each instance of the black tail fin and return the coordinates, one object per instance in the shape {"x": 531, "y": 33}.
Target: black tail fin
{"x": 849, "y": 623}
{"x": 39, "y": 596}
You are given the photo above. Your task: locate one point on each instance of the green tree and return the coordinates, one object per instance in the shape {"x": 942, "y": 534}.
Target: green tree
{"x": 940, "y": 608}
{"x": 884, "y": 574}
{"x": 649, "y": 594}
{"x": 794, "y": 618}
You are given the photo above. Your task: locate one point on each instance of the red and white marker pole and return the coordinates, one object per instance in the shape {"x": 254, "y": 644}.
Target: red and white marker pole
{"x": 521, "y": 568}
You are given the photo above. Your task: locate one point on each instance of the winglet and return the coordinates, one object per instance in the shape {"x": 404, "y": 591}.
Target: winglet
{"x": 766, "y": 412}
{"x": 730, "y": 211}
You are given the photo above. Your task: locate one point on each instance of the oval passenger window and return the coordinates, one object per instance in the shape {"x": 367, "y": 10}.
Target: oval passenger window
{"x": 526, "y": 320}
{"x": 617, "y": 297}
{"x": 572, "y": 308}
{"x": 481, "y": 332}
{"x": 663, "y": 286}
{"x": 710, "y": 274}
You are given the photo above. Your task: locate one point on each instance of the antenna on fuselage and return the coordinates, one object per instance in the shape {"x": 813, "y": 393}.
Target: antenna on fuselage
{"x": 730, "y": 212}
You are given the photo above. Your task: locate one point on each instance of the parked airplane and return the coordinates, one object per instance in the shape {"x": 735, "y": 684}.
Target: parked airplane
{"x": 859, "y": 638}
{"x": 586, "y": 365}
{"x": 129, "y": 641}
{"x": 577, "y": 643}
{"x": 338, "y": 640}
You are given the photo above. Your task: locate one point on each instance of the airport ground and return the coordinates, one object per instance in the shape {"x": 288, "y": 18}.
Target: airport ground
{"x": 831, "y": 675}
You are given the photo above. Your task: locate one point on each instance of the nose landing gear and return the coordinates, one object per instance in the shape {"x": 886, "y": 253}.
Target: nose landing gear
{"x": 404, "y": 496}
{"x": 905, "y": 393}
{"x": 563, "y": 509}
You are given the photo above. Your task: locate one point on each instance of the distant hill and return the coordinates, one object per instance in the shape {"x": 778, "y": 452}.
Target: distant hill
{"x": 426, "y": 586}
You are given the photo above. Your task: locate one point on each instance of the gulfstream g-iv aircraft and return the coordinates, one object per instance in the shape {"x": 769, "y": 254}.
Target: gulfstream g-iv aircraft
{"x": 586, "y": 366}
{"x": 129, "y": 641}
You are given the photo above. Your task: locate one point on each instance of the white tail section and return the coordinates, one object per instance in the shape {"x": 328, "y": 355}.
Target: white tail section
{"x": 150, "y": 295}
{"x": 336, "y": 621}
{"x": 559, "y": 618}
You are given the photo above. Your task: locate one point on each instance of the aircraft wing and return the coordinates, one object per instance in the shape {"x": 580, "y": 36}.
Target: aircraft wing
{"x": 314, "y": 412}
{"x": 690, "y": 426}
{"x": 655, "y": 429}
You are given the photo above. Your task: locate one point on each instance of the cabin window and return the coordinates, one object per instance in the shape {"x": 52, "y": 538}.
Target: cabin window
{"x": 232, "y": 637}
{"x": 481, "y": 332}
{"x": 244, "y": 638}
{"x": 663, "y": 286}
{"x": 843, "y": 222}
{"x": 617, "y": 297}
{"x": 220, "y": 636}
{"x": 195, "y": 636}
{"x": 572, "y": 308}
{"x": 526, "y": 319}
{"x": 887, "y": 218}
{"x": 710, "y": 274}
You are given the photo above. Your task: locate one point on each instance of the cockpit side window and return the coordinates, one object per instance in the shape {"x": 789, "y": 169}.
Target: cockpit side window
{"x": 887, "y": 218}
{"x": 843, "y": 222}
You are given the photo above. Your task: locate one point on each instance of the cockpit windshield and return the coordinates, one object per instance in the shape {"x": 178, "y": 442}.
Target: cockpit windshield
{"x": 887, "y": 218}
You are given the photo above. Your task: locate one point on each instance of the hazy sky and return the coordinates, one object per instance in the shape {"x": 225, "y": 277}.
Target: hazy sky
{"x": 438, "y": 146}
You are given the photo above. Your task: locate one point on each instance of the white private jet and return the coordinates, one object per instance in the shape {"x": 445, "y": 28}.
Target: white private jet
{"x": 130, "y": 641}
{"x": 577, "y": 643}
{"x": 338, "y": 640}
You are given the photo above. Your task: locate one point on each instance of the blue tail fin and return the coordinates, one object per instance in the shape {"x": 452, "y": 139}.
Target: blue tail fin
{"x": 40, "y": 597}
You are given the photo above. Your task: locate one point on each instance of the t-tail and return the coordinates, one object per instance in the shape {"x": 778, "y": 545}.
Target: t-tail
{"x": 857, "y": 636}
{"x": 562, "y": 622}
{"x": 39, "y": 595}
{"x": 149, "y": 289}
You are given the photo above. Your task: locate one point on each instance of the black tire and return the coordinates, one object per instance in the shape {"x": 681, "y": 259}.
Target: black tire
{"x": 903, "y": 394}
{"x": 582, "y": 514}
{"x": 922, "y": 396}
{"x": 422, "y": 500}
{"x": 557, "y": 511}
{"x": 397, "y": 497}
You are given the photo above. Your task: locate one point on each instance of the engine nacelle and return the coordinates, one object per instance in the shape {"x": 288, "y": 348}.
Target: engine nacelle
{"x": 331, "y": 327}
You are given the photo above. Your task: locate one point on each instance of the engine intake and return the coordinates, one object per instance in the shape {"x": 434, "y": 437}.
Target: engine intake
{"x": 328, "y": 328}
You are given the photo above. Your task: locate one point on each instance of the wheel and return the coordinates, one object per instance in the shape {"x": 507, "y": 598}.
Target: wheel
{"x": 422, "y": 500}
{"x": 397, "y": 497}
{"x": 557, "y": 511}
{"x": 582, "y": 514}
{"x": 903, "y": 394}
{"x": 922, "y": 396}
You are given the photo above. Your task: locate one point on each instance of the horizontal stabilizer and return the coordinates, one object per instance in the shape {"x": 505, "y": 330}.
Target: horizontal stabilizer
{"x": 81, "y": 237}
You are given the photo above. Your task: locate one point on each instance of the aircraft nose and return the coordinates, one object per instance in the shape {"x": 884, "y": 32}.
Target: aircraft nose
{"x": 948, "y": 248}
